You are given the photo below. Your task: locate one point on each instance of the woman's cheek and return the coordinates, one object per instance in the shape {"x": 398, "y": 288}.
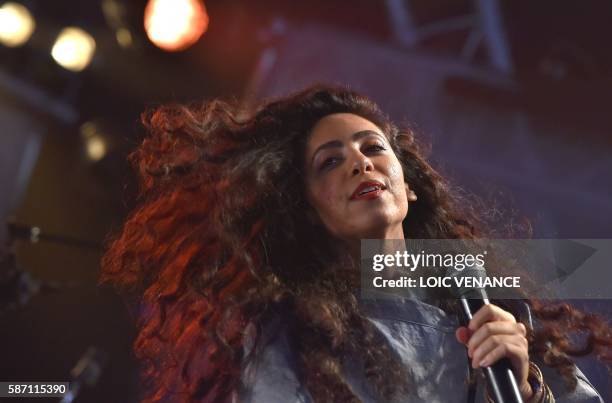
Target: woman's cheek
{"x": 329, "y": 196}
{"x": 396, "y": 179}
{"x": 332, "y": 189}
{"x": 325, "y": 193}
{"x": 395, "y": 172}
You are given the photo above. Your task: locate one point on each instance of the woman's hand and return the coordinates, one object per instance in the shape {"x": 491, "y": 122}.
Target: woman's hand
{"x": 493, "y": 334}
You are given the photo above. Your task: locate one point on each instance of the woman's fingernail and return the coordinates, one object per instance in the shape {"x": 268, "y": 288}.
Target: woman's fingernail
{"x": 484, "y": 363}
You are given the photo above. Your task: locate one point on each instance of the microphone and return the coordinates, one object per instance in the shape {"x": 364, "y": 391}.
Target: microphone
{"x": 501, "y": 381}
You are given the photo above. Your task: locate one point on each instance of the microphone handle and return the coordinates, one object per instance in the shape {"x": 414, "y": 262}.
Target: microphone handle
{"x": 501, "y": 381}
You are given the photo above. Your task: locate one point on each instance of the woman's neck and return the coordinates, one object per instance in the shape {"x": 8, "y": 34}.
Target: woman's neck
{"x": 390, "y": 233}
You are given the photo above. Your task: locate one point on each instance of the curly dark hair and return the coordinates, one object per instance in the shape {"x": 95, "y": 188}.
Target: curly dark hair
{"x": 220, "y": 241}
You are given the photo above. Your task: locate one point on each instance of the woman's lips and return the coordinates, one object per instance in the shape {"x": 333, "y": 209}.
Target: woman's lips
{"x": 368, "y": 190}
{"x": 374, "y": 194}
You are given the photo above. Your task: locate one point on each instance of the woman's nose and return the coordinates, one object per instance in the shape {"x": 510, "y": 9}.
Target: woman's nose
{"x": 362, "y": 164}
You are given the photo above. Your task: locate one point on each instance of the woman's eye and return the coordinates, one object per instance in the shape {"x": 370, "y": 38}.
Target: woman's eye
{"x": 329, "y": 163}
{"x": 374, "y": 148}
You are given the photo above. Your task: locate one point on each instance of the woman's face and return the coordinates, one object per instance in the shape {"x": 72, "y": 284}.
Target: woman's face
{"x": 354, "y": 180}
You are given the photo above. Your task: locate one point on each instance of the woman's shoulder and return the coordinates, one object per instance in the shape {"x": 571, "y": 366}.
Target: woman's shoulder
{"x": 271, "y": 374}
{"x": 584, "y": 392}
{"x": 413, "y": 311}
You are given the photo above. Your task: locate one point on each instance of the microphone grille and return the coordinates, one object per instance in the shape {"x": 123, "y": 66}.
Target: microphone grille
{"x": 462, "y": 288}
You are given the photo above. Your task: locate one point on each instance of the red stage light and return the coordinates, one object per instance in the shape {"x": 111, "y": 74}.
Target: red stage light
{"x": 175, "y": 25}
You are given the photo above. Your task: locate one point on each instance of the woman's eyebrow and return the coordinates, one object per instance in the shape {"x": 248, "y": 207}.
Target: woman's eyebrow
{"x": 337, "y": 143}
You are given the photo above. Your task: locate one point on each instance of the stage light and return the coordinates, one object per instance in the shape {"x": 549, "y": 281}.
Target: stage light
{"x": 124, "y": 37}
{"x": 96, "y": 146}
{"x": 73, "y": 49}
{"x": 175, "y": 25}
{"x": 16, "y": 24}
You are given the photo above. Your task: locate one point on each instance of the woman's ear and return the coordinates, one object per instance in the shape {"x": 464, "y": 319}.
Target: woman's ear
{"x": 410, "y": 194}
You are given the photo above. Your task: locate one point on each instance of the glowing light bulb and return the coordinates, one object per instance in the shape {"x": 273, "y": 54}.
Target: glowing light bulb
{"x": 96, "y": 146}
{"x": 175, "y": 25}
{"x": 73, "y": 49}
{"x": 124, "y": 37}
{"x": 16, "y": 24}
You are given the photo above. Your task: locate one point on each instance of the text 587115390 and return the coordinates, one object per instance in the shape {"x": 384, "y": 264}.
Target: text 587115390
{"x": 34, "y": 389}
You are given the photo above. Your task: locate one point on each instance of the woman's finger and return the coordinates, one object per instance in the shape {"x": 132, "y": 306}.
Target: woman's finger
{"x": 519, "y": 359}
{"x": 492, "y": 328}
{"x": 488, "y": 313}
{"x": 516, "y": 342}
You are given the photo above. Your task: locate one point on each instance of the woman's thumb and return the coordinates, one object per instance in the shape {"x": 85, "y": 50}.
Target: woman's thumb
{"x": 463, "y": 334}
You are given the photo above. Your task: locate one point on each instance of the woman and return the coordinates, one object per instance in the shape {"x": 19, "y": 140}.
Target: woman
{"x": 243, "y": 247}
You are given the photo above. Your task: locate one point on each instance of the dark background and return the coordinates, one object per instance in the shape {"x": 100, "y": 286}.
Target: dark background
{"x": 513, "y": 96}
